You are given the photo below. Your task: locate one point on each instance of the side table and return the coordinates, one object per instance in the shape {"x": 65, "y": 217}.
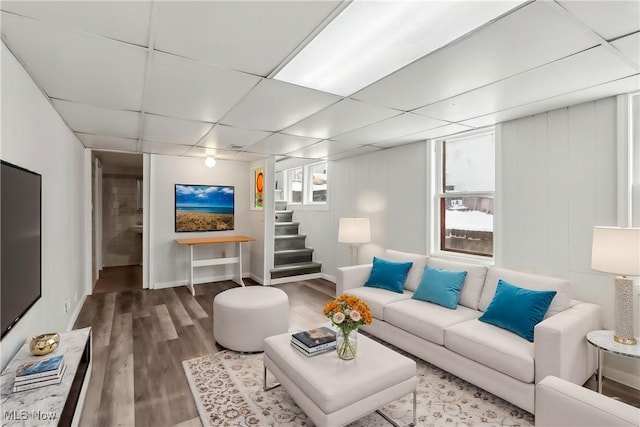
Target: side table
{"x": 603, "y": 341}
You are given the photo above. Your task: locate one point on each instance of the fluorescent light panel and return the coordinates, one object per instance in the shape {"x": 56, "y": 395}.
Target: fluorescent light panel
{"x": 371, "y": 39}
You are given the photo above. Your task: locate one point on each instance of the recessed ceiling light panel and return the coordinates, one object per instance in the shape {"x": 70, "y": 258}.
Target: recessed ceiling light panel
{"x": 371, "y": 39}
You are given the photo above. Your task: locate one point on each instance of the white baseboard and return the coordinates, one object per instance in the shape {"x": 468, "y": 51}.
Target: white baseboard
{"x": 76, "y": 313}
{"x": 622, "y": 377}
{"x": 329, "y": 278}
{"x": 256, "y": 278}
{"x": 197, "y": 281}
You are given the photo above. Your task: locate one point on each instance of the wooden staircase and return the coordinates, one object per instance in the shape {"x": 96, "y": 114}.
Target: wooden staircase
{"x": 290, "y": 257}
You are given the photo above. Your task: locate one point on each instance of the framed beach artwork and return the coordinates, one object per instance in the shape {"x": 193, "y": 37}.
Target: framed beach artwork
{"x": 257, "y": 195}
{"x": 204, "y": 207}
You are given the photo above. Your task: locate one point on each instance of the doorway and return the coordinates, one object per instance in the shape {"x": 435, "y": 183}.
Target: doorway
{"x": 117, "y": 221}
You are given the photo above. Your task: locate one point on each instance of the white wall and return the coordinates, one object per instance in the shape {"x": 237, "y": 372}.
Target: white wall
{"x": 387, "y": 186}
{"x": 36, "y": 138}
{"x": 169, "y": 262}
{"x": 559, "y": 180}
{"x": 261, "y": 225}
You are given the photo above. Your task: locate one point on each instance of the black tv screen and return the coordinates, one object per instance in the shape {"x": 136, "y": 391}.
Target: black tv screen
{"x": 20, "y": 235}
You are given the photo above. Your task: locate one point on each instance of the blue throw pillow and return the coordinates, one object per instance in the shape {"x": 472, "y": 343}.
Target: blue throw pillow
{"x": 440, "y": 286}
{"x": 388, "y": 275}
{"x": 516, "y": 309}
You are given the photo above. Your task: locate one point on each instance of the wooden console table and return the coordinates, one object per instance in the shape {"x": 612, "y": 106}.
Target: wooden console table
{"x": 215, "y": 261}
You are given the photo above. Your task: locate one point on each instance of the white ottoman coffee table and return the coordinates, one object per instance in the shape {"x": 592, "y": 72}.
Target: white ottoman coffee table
{"x": 335, "y": 392}
{"x": 244, "y": 317}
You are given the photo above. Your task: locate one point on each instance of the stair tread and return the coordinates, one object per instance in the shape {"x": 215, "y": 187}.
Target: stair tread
{"x": 287, "y": 223}
{"x": 296, "y": 266}
{"x": 284, "y": 211}
{"x": 290, "y": 236}
{"x": 292, "y": 251}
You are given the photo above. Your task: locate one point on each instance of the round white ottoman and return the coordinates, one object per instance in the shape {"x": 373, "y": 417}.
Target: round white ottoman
{"x": 244, "y": 317}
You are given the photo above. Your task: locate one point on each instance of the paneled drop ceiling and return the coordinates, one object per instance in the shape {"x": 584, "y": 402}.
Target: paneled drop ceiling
{"x": 194, "y": 78}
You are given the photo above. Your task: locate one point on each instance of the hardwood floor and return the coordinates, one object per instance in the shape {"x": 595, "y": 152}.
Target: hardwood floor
{"x": 140, "y": 338}
{"x": 121, "y": 278}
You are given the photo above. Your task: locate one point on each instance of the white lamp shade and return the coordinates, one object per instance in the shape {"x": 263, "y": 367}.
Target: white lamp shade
{"x": 354, "y": 230}
{"x": 616, "y": 250}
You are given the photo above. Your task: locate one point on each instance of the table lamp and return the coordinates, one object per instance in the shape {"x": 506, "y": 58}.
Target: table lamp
{"x": 354, "y": 231}
{"x": 617, "y": 250}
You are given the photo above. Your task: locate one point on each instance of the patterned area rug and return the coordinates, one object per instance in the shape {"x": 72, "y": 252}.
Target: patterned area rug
{"x": 227, "y": 389}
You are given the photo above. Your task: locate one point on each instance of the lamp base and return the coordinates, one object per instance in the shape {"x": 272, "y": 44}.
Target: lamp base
{"x": 624, "y": 311}
{"x": 622, "y": 340}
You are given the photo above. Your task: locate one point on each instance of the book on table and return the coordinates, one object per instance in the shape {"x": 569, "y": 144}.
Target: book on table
{"x": 39, "y": 382}
{"x": 319, "y": 348}
{"x": 34, "y": 369}
{"x": 315, "y": 337}
{"x": 315, "y": 352}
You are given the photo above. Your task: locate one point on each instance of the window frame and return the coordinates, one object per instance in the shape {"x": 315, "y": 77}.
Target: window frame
{"x": 439, "y": 196}
{"x": 306, "y": 201}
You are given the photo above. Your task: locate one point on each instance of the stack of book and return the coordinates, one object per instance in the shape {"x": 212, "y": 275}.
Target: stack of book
{"x": 314, "y": 341}
{"x": 39, "y": 373}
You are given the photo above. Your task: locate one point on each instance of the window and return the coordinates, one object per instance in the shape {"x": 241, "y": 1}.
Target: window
{"x": 464, "y": 194}
{"x": 307, "y": 185}
{"x": 317, "y": 191}
{"x": 293, "y": 183}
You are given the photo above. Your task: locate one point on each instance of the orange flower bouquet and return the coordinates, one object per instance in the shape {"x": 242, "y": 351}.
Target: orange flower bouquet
{"x": 347, "y": 313}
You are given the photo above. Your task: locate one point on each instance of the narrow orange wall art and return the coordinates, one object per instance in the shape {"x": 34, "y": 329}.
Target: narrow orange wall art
{"x": 258, "y": 175}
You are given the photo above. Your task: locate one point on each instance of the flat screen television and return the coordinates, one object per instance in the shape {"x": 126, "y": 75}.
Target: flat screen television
{"x": 21, "y": 237}
{"x": 204, "y": 207}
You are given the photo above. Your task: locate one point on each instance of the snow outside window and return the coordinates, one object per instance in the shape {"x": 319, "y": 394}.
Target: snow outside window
{"x": 307, "y": 185}
{"x": 465, "y": 192}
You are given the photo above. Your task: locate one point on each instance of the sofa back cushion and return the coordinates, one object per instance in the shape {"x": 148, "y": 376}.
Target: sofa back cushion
{"x": 415, "y": 273}
{"x": 473, "y": 283}
{"x": 560, "y": 302}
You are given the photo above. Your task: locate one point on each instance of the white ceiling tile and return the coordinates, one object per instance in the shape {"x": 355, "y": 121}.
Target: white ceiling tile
{"x": 421, "y": 136}
{"x": 120, "y": 20}
{"x": 608, "y": 18}
{"x": 225, "y": 154}
{"x": 560, "y": 77}
{"x": 76, "y": 66}
{"x": 191, "y": 90}
{"x": 281, "y": 144}
{"x": 625, "y": 85}
{"x": 250, "y": 36}
{"x": 102, "y": 142}
{"x": 394, "y": 127}
{"x": 274, "y": 105}
{"x": 162, "y": 148}
{"x": 345, "y": 116}
{"x": 531, "y": 36}
{"x": 97, "y": 120}
{"x": 227, "y": 136}
{"x": 322, "y": 149}
{"x": 365, "y": 149}
{"x": 629, "y": 46}
{"x": 173, "y": 131}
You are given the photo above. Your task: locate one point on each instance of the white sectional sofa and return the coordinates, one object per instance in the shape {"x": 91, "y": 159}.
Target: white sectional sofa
{"x": 488, "y": 356}
{"x": 560, "y": 403}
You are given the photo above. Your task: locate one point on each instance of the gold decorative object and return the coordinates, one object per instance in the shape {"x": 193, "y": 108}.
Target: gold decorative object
{"x": 44, "y": 344}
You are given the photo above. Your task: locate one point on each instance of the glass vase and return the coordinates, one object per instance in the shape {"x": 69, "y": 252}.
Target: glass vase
{"x": 347, "y": 343}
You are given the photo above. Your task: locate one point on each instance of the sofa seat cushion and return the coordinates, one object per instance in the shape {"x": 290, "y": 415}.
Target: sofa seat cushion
{"x": 426, "y": 320}
{"x": 494, "y": 347}
{"x": 378, "y": 298}
{"x": 473, "y": 283}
